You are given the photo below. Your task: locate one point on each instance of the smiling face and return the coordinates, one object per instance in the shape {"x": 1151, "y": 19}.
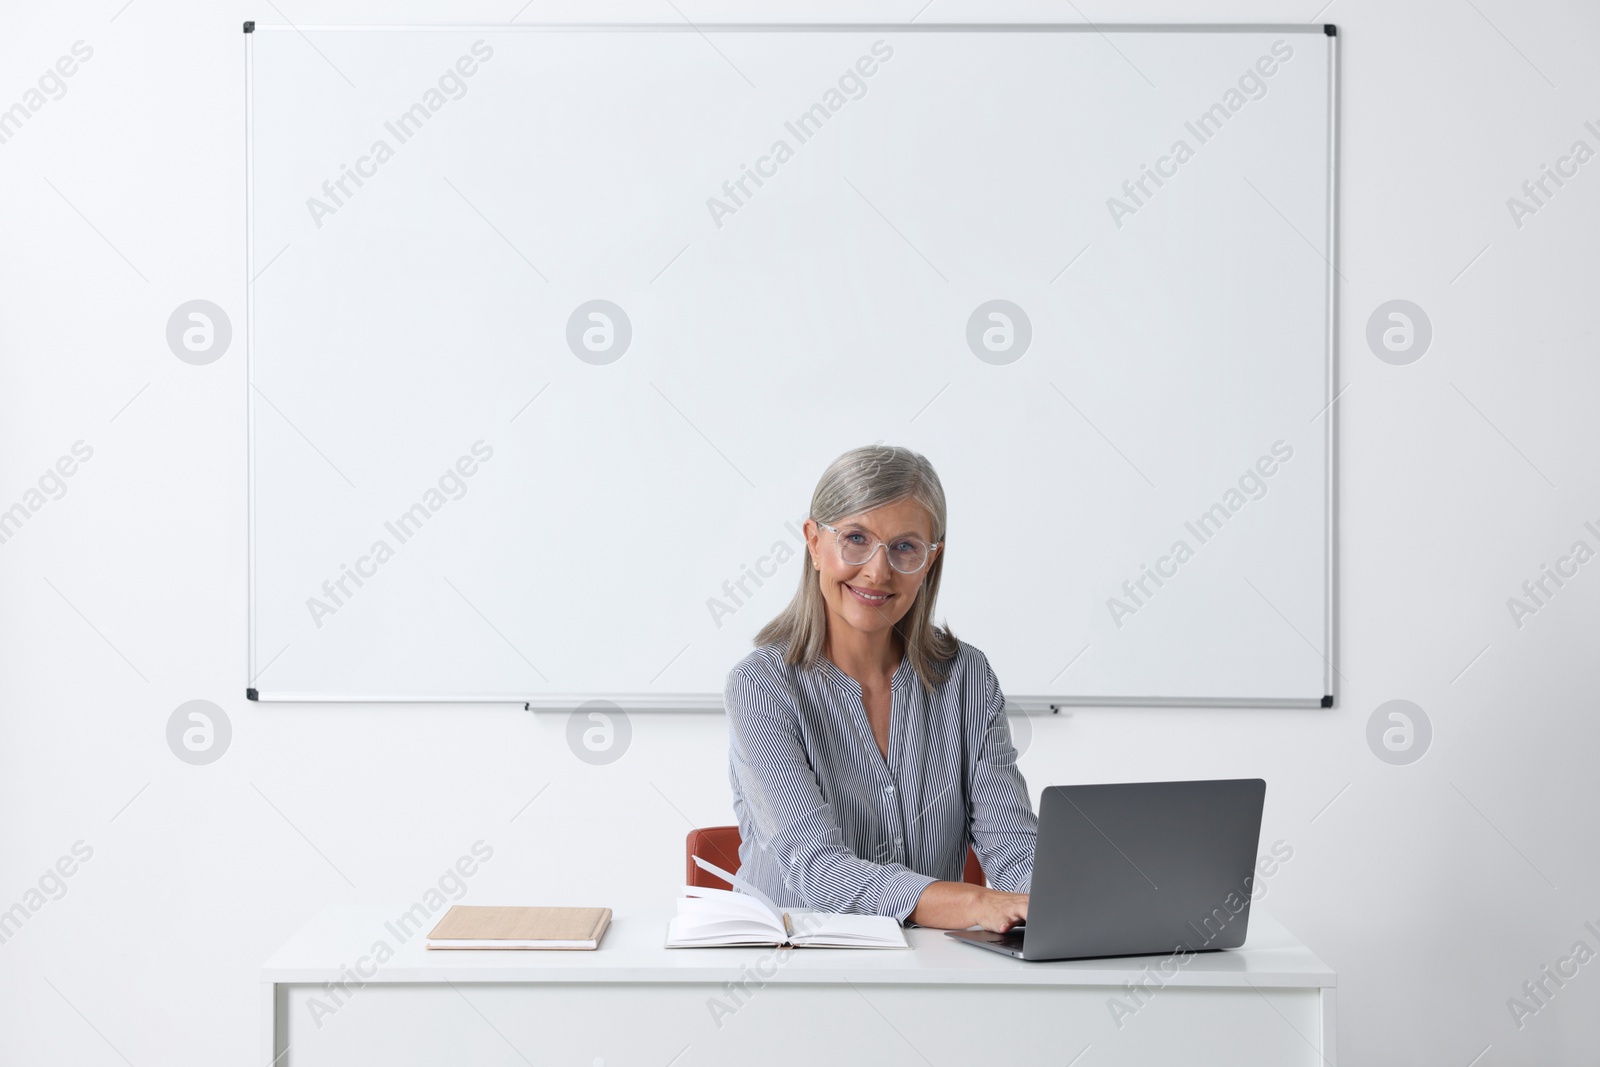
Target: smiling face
{"x": 870, "y": 597}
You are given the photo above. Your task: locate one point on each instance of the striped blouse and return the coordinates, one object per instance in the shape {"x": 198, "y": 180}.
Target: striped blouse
{"x": 828, "y": 823}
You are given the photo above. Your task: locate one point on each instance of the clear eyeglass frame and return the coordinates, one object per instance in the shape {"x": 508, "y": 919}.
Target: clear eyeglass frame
{"x": 838, "y": 543}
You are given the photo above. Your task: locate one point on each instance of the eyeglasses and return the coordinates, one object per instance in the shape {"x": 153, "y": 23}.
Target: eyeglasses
{"x": 908, "y": 554}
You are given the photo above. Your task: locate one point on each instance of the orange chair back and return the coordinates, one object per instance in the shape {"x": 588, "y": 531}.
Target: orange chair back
{"x": 720, "y": 845}
{"x": 715, "y": 844}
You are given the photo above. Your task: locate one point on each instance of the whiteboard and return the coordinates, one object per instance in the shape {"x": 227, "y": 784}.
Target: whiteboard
{"x": 552, "y": 329}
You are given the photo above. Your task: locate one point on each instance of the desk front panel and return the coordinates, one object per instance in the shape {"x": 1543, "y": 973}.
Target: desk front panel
{"x": 778, "y": 1022}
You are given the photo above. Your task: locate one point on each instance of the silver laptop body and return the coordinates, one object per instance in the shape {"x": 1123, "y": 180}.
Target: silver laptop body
{"x": 1136, "y": 869}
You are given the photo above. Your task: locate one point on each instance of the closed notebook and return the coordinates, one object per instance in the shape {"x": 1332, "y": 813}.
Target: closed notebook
{"x": 468, "y": 926}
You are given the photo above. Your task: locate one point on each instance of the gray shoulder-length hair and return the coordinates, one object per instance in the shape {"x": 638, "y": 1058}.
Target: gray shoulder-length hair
{"x": 860, "y": 480}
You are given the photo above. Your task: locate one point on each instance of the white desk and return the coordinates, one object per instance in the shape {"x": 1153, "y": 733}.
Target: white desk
{"x": 633, "y": 1002}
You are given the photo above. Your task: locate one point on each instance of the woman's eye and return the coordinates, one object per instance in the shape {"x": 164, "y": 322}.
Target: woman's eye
{"x": 856, "y": 538}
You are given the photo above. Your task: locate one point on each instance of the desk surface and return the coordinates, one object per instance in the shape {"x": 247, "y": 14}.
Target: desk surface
{"x": 343, "y": 941}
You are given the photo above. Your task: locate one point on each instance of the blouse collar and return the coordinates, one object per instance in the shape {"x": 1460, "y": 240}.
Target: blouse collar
{"x": 842, "y": 681}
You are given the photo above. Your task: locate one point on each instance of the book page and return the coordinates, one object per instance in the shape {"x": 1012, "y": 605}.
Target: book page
{"x": 824, "y": 928}
{"x": 741, "y": 885}
{"x": 723, "y": 900}
{"x": 729, "y": 906}
{"x": 684, "y": 930}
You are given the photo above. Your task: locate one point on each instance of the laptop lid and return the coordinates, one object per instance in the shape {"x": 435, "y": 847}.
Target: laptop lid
{"x": 1143, "y": 867}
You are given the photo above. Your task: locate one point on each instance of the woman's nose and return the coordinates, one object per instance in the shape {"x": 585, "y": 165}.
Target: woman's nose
{"x": 877, "y": 565}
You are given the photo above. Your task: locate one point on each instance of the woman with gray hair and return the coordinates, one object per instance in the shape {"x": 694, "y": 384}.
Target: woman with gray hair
{"x": 868, "y": 746}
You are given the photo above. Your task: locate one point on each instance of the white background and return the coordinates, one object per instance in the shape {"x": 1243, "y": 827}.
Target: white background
{"x": 1435, "y": 889}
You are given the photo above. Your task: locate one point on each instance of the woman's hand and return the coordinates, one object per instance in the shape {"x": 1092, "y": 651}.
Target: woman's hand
{"x": 958, "y": 905}
{"x": 1000, "y": 911}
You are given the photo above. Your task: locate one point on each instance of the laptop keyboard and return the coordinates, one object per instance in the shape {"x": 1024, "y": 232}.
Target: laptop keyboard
{"x": 1011, "y": 938}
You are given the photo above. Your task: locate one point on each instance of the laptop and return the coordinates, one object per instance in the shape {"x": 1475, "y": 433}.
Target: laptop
{"x": 1137, "y": 869}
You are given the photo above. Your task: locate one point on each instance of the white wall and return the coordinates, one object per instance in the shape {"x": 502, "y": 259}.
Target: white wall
{"x": 1435, "y": 889}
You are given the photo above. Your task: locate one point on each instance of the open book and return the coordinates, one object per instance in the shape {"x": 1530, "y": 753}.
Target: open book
{"x": 715, "y": 918}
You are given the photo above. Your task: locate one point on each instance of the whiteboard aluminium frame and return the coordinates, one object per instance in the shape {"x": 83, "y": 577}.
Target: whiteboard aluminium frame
{"x": 713, "y": 702}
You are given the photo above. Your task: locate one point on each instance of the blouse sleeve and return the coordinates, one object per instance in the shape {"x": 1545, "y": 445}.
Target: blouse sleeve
{"x": 790, "y": 819}
{"x": 1003, "y": 824}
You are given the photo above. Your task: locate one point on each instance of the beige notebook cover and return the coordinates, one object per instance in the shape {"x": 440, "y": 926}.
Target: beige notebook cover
{"x": 469, "y": 926}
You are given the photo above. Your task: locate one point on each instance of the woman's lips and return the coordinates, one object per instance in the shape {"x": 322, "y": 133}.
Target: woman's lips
{"x": 874, "y": 601}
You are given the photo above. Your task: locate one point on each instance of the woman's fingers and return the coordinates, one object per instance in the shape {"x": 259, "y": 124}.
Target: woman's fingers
{"x": 1013, "y": 910}
{"x": 1001, "y": 911}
